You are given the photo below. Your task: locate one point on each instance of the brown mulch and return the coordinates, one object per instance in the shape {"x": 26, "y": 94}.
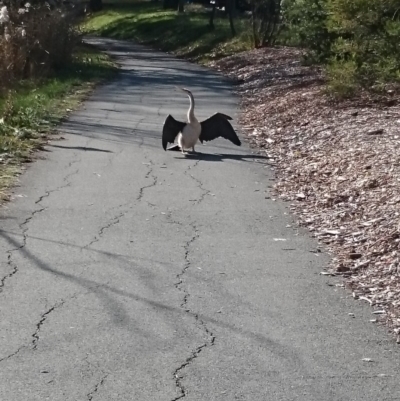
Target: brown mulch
{"x": 337, "y": 163}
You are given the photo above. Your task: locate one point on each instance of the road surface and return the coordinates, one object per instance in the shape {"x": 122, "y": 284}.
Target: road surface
{"x": 130, "y": 273}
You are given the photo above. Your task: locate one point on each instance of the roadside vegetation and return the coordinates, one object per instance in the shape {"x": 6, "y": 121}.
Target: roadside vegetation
{"x": 45, "y": 71}
{"x": 357, "y": 42}
{"x": 186, "y": 35}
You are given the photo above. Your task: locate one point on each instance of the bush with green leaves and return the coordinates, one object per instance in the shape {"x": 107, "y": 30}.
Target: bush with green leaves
{"x": 307, "y": 23}
{"x": 266, "y": 21}
{"x": 18, "y": 128}
{"x": 368, "y": 40}
{"x": 358, "y": 39}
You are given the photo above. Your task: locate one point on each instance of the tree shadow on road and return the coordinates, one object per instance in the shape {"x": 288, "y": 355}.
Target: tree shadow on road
{"x": 84, "y": 148}
{"x": 109, "y": 294}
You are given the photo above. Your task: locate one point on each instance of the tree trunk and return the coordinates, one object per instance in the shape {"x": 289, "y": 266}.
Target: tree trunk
{"x": 181, "y": 6}
{"x": 253, "y": 24}
{"x": 170, "y": 4}
{"x": 212, "y": 16}
{"x": 96, "y": 5}
{"x": 231, "y": 12}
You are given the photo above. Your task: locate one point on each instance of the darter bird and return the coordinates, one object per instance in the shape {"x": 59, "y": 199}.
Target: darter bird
{"x": 192, "y": 131}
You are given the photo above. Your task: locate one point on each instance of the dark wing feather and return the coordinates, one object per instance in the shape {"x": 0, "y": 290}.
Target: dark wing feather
{"x": 224, "y": 115}
{"x": 218, "y": 126}
{"x": 171, "y": 129}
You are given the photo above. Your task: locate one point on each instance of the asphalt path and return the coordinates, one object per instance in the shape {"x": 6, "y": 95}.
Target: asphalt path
{"x": 130, "y": 273}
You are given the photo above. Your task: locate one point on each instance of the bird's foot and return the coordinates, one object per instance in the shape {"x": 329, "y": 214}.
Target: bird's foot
{"x": 175, "y": 148}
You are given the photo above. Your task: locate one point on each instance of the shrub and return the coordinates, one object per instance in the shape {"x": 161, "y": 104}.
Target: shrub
{"x": 266, "y": 19}
{"x": 368, "y": 36}
{"x": 34, "y": 41}
{"x": 358, "y": 39}
{"x": 307, "y": 22}
{"x": 342, "y": 78}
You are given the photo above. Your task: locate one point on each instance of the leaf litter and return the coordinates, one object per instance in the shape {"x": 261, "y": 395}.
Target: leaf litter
{"x": 336, "y": 163}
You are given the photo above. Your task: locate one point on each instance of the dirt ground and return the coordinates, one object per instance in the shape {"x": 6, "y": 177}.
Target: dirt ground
{"x": 336, "y": 163}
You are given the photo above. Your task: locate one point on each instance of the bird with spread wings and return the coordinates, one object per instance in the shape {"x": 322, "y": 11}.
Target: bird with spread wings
{"x": 192, "y": 131}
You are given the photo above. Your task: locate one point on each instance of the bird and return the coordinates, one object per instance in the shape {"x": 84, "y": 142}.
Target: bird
{"x": 192, "y": 131}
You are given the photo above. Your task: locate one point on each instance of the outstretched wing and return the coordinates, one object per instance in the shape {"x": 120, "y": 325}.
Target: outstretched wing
{"x": 218, "y": 126}
{"x": 171, "y": 129}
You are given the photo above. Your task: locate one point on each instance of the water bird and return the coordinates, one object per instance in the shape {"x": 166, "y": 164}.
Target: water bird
{"x": 192, "y": 131}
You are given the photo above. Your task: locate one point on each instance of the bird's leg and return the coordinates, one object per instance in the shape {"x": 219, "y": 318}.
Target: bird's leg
{"x": 193, "y": 149}
{"x": 181, "y": 144}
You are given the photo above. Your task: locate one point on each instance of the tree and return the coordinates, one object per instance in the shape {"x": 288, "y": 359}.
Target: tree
{"x": 307, "y": 20}
{"x": 266, "y": 21}
{"x": 170, "y": 4}
{"x": 231, "y": 9}
{"x": 212, "y": 15}
{"x": 367, "y": 40}
{"x": 96, "y": 5}
{"x": 359, "y": 40}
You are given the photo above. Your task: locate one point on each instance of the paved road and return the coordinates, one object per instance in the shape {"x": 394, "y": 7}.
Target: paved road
{"x": 130, "y": 273}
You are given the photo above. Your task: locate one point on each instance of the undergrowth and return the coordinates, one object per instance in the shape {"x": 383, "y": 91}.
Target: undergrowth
{"x": 186, "y": 35}
{"x": 29, "y": 111}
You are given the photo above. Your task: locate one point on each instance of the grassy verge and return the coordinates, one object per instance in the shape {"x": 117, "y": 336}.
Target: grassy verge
{"x": 29, "y": 112}
{"x": 187, "y": 35}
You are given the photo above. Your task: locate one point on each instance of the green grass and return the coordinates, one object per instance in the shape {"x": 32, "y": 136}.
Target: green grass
{"x": 29, "y": 112}
{"x": 186, "y": 35}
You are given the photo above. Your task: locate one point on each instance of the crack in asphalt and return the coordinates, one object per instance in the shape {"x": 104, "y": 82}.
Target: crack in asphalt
{"x": 43, "y": 318}
{"x": 96, "y": 388}
{"x": 13, "y": 271}
{"x": 115, "y": 220}
{"x": 35, "y": 335}
{"x": 171, "y": 220}
{"x": 13, "y": 354}
{"x": 92, "y": 368}
{"x": 178, "y": 377}
{"x": 205, "y": 191}
{"x": 153, "y": 184}
{"x": 24, "y": 228}
{"x": 150, "y": 173}
{"x": 179, "y": 285}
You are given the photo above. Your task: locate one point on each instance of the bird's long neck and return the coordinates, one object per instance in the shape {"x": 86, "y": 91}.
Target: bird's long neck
{"x": 190, "y": 113}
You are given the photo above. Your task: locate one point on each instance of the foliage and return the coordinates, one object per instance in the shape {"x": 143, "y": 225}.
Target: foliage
{"x": 358, "y": 39}
{"x": 368, "y": 37}
{"x": 96, "y": 5}
{"x": 307, "y": 21}
{"x": 32, "y": 107}
{"x": 342, "y": 78}
{"x": 266, "y": 18}
{"x": 187, "y": 35}
{"x": 34, "y": 41}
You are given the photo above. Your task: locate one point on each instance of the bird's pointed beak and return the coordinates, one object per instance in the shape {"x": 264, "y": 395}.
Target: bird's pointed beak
{"x": 184, "y": 90}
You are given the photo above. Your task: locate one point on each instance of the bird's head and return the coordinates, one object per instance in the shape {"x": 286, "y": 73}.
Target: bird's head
{"x": 184, "y": 90}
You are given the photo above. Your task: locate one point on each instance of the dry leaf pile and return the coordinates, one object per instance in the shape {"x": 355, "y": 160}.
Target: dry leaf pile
{"x": 338, "y": 164}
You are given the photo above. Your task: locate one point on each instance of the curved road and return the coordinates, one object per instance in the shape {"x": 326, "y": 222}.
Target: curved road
{"x": 130, "y": 273}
